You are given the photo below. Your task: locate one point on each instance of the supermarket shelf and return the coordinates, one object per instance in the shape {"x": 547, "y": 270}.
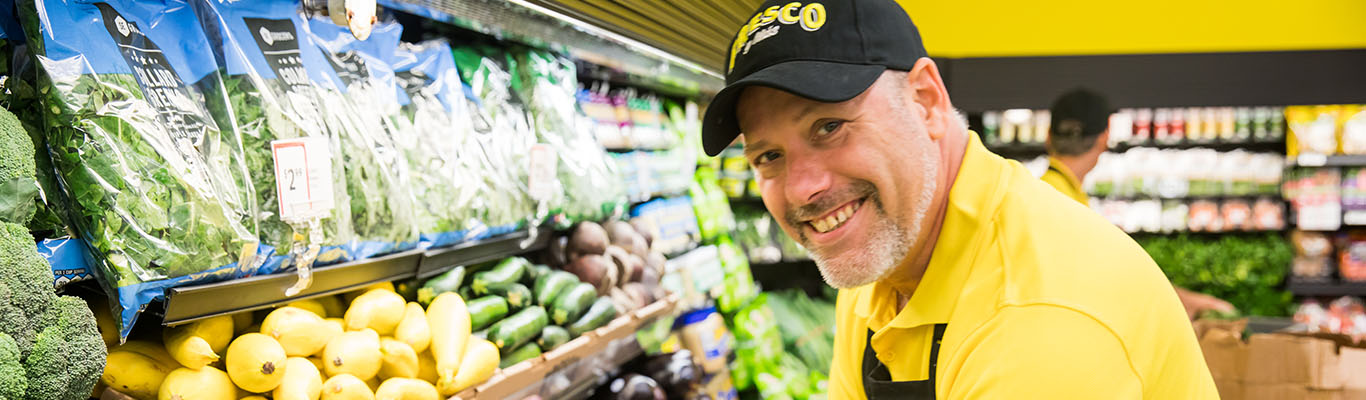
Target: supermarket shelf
{"x": 1037, "y": 149}
{"x": 1248, "y": 197}
{"x": 1318, "y": 160}
{"x": 191, "y": 303}
{"x": 573, "y": 369}
{"x": 1301, "y": 288}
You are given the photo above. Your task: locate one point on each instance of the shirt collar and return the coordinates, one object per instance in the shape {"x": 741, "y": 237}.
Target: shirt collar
{"x": 973, "y": 200}
{"x": 1055, "y": 164}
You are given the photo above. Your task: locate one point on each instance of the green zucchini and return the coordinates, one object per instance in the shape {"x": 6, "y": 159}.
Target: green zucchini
{"x": 484, "y": 334}
{"x": 552, "y": 336}
{"x": 484, "y": 311}
{"x": 551, "y": 285}
{"x": 570, "y": 305}
{"x": 526, "y": 352}
{"x": 465, "y": 292}
{"x": 517, "y": 296}
{"x": 533, "y": 273}
{"x": 598, "y": 315}
{"x": 506, "y": 273}
{"x": 408, "y": 288}
{"x": 448, "y": 281}
{"x": 518, "y": 328}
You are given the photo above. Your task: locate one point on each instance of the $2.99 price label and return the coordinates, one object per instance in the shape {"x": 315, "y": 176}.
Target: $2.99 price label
{"x": 303, "y": 178}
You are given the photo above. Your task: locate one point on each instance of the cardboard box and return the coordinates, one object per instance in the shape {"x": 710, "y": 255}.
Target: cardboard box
{"x": 1311, "y": 361}
{"x": 1229, "y": 389}
{"x": 1289, "y": 392}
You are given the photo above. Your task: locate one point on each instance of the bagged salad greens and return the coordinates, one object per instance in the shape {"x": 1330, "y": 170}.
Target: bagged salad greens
{"x": 588, "y": 186}
{"x": 361, "y": 111}
{"x": 268, "y": 71}
{"x": 156, "y": 188}
{"x": 505, "y": 136}
{"x": 436, "y": 136}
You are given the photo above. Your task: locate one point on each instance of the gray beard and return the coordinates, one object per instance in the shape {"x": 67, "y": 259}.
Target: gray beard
{"x": 889, "y": 243}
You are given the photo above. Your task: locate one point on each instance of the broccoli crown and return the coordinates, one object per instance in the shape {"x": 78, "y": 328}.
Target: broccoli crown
{"x": 16, "y": 149}
{"x": 13, "y": 382}
{"x": 15, "y": 325}
{"x": 27, "y": 275}
{"x": 69, "y": 355}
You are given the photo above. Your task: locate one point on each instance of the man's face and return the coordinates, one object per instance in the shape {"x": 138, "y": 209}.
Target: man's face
{"x": 851, "y": 181}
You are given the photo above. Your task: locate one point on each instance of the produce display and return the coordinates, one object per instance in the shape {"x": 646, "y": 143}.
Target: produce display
{"x": 50, "y": 346}
{"x": 156, "y": 187}
{"x": 1245, "y": 270}
{"x": 379, "y": 346}
{"x": 1345, "y": 315}
{"x": 271, "y": 95}
{"x": 780, "y": 341}
{"x": 1326, "y": 129}
{"x": 1168, "y": 173}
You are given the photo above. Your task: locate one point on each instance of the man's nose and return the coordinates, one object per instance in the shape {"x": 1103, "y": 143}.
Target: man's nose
{"x": 807, "y": 177}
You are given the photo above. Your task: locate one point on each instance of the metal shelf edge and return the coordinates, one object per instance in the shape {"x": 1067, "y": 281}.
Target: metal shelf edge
{"x": 192, "y": 303}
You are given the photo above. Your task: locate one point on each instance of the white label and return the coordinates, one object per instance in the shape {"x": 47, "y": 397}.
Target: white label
{"x": 1312, "y": 160}
{"x": 542, "y": 171}
{"x": 1354, "y": 217}
{"x": 303, "y": 178}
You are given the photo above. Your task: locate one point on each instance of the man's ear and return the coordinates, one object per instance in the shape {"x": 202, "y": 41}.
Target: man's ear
{"x": 1102, "y": 142}
{"x": 929, "y": 94}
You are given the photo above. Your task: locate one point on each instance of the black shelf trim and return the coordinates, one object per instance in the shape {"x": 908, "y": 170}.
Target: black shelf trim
{"x": 439, "y": 260}
{"x": 1331, "y": 288}
{"x": 192, "y": 303}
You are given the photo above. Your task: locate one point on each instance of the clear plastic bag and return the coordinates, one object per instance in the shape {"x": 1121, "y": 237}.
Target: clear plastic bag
{"x": 505, "y": 140}
{"x": 362, "y": 112}
{"x": 434, "y": 133}
{"x": 271, "y": 95}
{"x": 159, "y": 191}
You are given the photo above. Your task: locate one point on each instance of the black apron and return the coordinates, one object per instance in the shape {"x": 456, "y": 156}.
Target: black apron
{"x": 877, "y": 381}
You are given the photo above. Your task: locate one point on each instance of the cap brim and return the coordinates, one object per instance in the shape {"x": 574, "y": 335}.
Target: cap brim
{"x": 823, "y": 81}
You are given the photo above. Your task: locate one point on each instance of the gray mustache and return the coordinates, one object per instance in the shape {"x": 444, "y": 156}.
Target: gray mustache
{"x": 825, "y": 202}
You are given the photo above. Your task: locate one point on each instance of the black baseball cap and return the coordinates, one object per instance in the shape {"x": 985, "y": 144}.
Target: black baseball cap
{"x": 1082, "y": 107}
{"x": 824, "y": 50}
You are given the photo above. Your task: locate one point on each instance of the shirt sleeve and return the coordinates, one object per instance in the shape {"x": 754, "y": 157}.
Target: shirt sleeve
{"x": 1042, "y": 352}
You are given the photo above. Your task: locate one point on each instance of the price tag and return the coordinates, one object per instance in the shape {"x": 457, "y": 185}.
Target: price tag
{"x": 541, "y": 172}
{"x": 303, "y": 178}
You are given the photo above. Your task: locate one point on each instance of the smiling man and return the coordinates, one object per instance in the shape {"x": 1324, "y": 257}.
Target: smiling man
{"x": 960, "y": 274}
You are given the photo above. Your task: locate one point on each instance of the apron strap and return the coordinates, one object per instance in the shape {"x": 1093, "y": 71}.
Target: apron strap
{"x": 877, "y": 380}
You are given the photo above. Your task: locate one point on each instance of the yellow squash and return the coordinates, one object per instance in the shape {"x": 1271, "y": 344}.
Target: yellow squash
{"x": 302, "y": 381}
{"x": 355, "y": 353}
{"x": 299, "y": 331}
{"x": 207, "y": 383}
{"x": 399, "y": 360}
{"x": 450, "y": 324}
{"x": 481, "y": 360}
{"x": 413, "y": 329}
{"x": 346, "y": 387}
{"x": 406, "y": 389}
{"x": 134, "y": 374}
{"x": 377, "y": 309}
{"x": 256, "y": 363}
{"x": 199, "y": 343}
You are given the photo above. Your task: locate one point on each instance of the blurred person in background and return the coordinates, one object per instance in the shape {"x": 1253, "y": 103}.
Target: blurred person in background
{"x": 1078, "y": 134}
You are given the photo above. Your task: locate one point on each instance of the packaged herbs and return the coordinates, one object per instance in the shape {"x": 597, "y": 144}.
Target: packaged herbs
{"x": 156, "y": 187}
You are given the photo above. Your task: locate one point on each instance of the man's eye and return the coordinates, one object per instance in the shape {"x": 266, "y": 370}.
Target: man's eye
{"x": 765, "y": 158}
{"x": 829, "y": 127}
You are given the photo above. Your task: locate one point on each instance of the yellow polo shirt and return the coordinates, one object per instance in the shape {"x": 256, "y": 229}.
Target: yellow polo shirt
{"x": 1061, "y": 178}
{"x": 1030, "y": 315}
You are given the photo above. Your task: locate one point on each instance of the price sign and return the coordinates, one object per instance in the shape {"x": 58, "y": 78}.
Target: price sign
{"x": 541, "y": 173}
{"x": 303, "y": 178}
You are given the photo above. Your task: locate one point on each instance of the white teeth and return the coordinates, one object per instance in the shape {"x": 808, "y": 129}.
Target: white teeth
{"x": 835, "y": 219}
